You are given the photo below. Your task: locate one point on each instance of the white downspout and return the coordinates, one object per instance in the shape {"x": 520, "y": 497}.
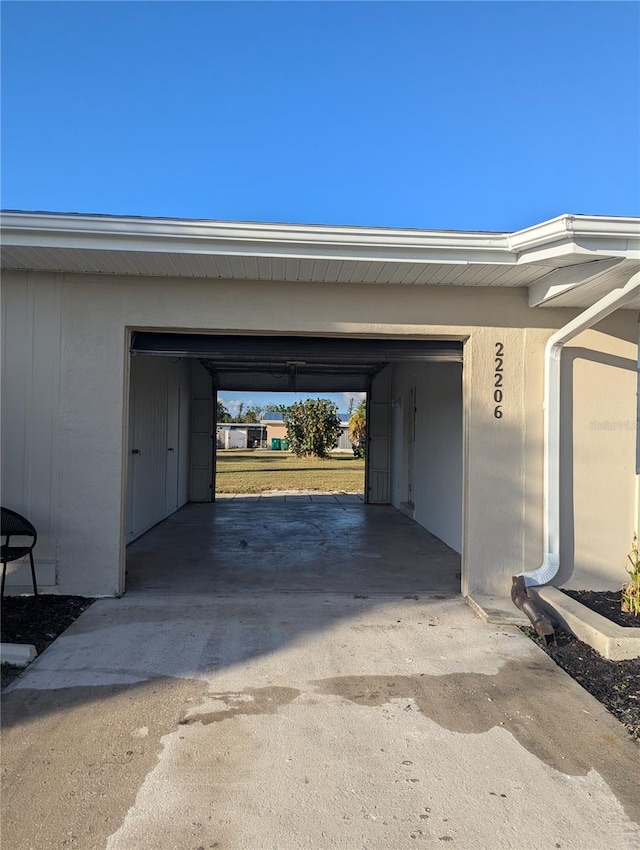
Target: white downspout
{"x": 553, "y": 351}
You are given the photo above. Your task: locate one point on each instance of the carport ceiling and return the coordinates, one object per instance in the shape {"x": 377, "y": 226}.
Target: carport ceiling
{"x": 293, "y": 363}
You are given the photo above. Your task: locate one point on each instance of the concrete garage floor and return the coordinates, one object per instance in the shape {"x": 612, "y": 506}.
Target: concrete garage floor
{"x": 295, "y": 543}
{"x": 274, "y": 720}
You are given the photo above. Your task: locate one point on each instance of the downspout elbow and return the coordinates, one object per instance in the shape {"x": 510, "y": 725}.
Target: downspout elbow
{"x": 545, "y": 573}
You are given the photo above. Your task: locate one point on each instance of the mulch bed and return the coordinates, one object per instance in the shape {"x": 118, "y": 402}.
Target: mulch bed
{"x": 616, "y": 684}
{"x": 608, "y": 603}
{"x": 39, "y": 619}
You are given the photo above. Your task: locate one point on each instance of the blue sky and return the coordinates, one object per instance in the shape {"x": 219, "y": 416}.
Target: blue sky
{"x": 455, "y": 115}
{"x": 232, "y": 400}
{"x": 488, "y": 116}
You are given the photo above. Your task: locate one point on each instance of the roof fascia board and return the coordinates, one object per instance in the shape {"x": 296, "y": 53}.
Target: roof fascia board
{"x": 231, "y": 230}
{"x": 559, "y": 237}
{"x": 563, "y": 280}
{"x": 348, "y": 253}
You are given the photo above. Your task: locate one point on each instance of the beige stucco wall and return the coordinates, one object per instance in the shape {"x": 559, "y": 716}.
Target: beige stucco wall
{"x": 278, "y": 432}
{"x": 64, "y": 409}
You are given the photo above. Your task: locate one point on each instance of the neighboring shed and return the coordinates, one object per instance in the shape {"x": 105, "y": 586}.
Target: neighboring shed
{"x": 236, "y": 435}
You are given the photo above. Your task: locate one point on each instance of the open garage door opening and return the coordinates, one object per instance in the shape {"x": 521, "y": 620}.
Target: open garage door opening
{"x": 402, "y": 534}
{"x": 290, "y": 443}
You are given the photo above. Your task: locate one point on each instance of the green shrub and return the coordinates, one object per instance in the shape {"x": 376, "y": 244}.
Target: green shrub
{"x": 313, "y": 427}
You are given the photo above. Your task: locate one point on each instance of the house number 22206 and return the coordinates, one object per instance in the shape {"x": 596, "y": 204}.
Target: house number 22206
{"x": 498, "y": 375}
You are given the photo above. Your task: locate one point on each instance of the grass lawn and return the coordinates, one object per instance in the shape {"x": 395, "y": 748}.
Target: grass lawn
{"x": 240, "y": 471}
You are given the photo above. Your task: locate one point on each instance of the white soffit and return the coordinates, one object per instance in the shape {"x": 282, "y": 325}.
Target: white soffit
{"x": 582, "y": 285}
{"x": 113, "y": 245}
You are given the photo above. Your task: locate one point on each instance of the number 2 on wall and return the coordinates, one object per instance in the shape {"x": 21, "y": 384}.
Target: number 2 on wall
{"x": 498, "y": 375}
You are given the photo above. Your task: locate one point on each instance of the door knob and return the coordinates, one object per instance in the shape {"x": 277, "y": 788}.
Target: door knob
{"x": 169, "y": 450}
{"x": 136, "y": 452}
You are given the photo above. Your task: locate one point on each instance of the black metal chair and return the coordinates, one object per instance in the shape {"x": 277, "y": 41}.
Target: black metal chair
{"x": 15, "y": 525}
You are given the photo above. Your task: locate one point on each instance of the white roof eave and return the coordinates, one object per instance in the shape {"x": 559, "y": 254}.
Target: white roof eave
{"x": 585, "y": 237}
{"x": 580, "y": 236}
{"x": 252, "y": 240}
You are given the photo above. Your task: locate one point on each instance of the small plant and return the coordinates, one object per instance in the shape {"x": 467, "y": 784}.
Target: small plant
{"x": 631, "y": 589}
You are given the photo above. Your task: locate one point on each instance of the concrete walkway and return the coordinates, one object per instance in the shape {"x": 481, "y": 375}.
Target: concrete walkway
{"x": 307, "y": 720}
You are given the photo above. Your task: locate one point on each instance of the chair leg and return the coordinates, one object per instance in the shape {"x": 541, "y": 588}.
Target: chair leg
{"x": 4, "y": 573}
{"x": 33, "y": 575}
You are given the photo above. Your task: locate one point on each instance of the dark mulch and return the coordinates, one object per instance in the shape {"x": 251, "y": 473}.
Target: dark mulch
{"x": 616, "y": 684}
{"x": 605, "y": 602}
{"x": 39, "y": 619}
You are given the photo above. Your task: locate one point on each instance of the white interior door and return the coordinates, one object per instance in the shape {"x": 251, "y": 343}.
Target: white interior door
{"x": 147, "y": 444}
{"x": 131, "y": 467}
{"x": 172, "y": 482}
{"x": 410, "y": 436}
{"x": 150, "y": 446}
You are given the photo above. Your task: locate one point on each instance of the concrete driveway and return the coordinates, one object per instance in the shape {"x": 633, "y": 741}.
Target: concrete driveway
{"x": 304, "y": 721}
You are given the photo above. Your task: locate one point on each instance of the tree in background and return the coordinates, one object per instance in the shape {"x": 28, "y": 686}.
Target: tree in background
{"x": 358, "y": 429}
{"x": 313, "y": 427}
{"x": 251, "y": 415}
{"x": 222, "y": 414}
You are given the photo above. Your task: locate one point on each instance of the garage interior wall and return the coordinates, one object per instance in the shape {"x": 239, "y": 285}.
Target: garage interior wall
{"x": 427, "y": 428}
{"x": 158, "y": 472}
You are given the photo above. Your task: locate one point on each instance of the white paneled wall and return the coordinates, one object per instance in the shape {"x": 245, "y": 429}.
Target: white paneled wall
{"x": 30, "y": 386}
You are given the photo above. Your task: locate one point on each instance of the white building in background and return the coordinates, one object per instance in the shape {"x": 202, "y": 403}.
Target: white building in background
{"x": 234, "y": 435}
